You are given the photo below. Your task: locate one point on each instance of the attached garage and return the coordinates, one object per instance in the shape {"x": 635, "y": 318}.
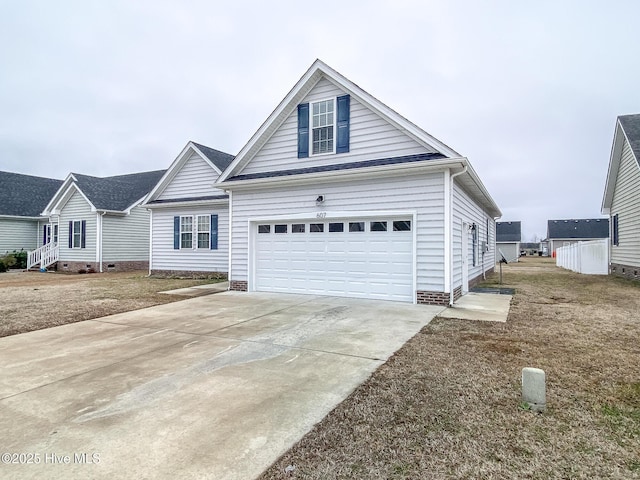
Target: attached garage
{"x": 363, "y": 257}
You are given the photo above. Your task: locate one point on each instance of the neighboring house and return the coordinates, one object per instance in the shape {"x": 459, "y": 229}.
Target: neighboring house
{"x": 22, "y": 199}
{"x": 561, "y": 233}
{"x": 98, "y": 223}
{"x": 508, "y": 237}
{"x": 190, "y": 218}
{"x": 621, "y": 199}
{"x": 337, "y": 194}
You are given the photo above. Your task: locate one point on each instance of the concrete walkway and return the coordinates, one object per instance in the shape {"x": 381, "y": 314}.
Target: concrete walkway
{"x": 199, "y": 290}
{"x": 210, "y": 387}
{"x": 480, "y": 306}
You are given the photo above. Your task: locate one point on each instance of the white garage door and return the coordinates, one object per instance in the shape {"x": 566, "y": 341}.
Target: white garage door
{"x": 366, "y": 258}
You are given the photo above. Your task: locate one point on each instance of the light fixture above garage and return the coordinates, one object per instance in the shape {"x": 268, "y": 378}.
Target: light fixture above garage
{"x": 320, "y": 200}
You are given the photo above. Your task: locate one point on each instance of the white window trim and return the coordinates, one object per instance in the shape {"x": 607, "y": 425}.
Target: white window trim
{"x": 335, "y": 123}
{"x": 185, "y": 231}
{"x": 73, "y": 234}
{"x": 196, "y": 224}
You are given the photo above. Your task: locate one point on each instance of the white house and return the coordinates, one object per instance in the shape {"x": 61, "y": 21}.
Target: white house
{"x": 189, "y": 216}
{"x": 621, "y": 201}
{"x": 22, "y": 199}
{"x": 98, "y": 224}
{"x": 508, "y": 238}
{"x": 337, "y": 194}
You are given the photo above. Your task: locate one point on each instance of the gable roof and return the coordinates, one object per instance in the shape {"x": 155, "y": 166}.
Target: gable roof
{"x": 508, "y": 232}
{"x": 217, "y": 160}
{"x": 584, "y": 228}
{"x": 287, "y": 106}
{"x": 25, "y": 195}
{"x": 627, "y": 129}
{"x": 114, "y": 194}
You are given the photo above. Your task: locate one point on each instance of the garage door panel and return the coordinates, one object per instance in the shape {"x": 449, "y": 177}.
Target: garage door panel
{"x": 356, "y": 264}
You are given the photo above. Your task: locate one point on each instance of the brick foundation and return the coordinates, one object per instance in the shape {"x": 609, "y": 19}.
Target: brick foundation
{"x": 93, "y": 267}
{"x": 625, "y": 271}
{"x": 189, "y": 274}
{"x": 238, "y": 285}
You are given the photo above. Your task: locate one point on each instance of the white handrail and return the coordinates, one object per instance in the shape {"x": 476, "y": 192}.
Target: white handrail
{"x": 46, "y": 255}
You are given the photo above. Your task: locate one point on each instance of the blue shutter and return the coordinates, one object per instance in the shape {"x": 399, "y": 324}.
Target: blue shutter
{"x": 176, "y": 233}
{"x": 83, "y": 238}
{"x": 44, "y": 235}
{"x": 342, "y": 144}
{"x": 214, "y": 232}
{"x": 616, "y": 240}
{"x": 70, "y": 234}
{"x": 303, "y": 130}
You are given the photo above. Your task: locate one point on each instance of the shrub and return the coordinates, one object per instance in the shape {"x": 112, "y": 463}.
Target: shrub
{"x": 21, "y": 259}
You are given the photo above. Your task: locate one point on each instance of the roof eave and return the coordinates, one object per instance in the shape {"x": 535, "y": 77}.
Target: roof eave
{"x": 189, "y": 203}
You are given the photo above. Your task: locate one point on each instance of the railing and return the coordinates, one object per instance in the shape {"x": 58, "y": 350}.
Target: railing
{"x": 45, "y": 256}
{"x": 589, "y": 257}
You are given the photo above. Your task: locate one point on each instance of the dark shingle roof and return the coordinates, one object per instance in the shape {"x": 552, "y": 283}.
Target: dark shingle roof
{"x": 631, "y": 126}
{"x": 508, "y": 232}
{"x": 342, "y": 166}
{"x": 585, "y": 228}
{"x": 219, "y": 159}
{"x": 25, "y": 195}
{"x": 117, "y": 193}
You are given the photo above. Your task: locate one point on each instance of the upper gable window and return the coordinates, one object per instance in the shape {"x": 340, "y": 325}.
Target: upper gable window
{"x": 323, "y": 127}
{"x": 322, "y": 121}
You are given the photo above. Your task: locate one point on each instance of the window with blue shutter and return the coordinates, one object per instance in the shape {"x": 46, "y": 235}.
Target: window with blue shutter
{"x": 214, "y": 232}
{"x": 344, "y": 113}
{"x": 303, "y": 130}
{"x": 176, "y": 233}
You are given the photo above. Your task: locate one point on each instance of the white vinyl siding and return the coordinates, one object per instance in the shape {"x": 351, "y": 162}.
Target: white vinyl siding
{"x": 465, "y": 210}
{"x": 126, "y": 238}
{"x": 165, "y": 257}
{"x": 371, "y": 137}
{"x": 626, "y": 204}
{"x": 511, "y": 251}
{"x": 424, "y": 195}
{"x": 16, "y": 234}
{"x": 77, "y": 209}
{"x": 195, "y": 179}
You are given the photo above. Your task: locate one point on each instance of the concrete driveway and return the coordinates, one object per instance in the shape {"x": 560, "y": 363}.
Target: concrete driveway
{"x": 211, "y": 387}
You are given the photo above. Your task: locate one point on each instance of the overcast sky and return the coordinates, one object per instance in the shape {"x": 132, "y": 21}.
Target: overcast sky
{"x": 528, "y": 91}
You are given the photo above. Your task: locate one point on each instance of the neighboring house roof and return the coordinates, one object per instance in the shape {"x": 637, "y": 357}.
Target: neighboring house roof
{"x": 530, "y": 245}
{"x": 444, "y": 156}
{"x": 216, "y": 159}
{"x": 584, "y": 228}
{"x": 508, "y": 232}
{"x": 115, "y": 194}
{"x": 627, "y": 129}
{"x": 25, "y": 195}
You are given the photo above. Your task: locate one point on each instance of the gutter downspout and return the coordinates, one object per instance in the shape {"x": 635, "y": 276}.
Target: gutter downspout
{"x": 451, "y": 179}
{"x": 150, "y": 239}
{"x": 100, "y": 239}
{"x": 230, "y": 192}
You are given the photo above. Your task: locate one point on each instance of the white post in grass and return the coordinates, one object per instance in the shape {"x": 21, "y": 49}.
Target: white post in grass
{"x": 534, "y": 389}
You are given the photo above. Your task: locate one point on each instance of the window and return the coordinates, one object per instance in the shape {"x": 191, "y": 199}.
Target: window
{"x": 615, "y": 238}
{"x": 55, "y": 233}
{"x": 316, "y": 227}
{"x": 322, "y": 121}
{"x": 336, "y": 227}
{"x": 402, "y": 225}
{"x": 297, "y": 228}
{"x": 204, "y": 230}
{"x": 264, "y": 228}
{"x": 77, "y": 234}
{"x": 186, "y": 232}
{"x": 281, "y": 229}
{"x": 378, "y": 226}
{"x": 356, "y": 226}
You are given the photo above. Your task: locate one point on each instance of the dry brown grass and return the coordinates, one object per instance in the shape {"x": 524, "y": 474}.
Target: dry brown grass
{"x": 447, "y": 405}
{"x": 32, "y": 300}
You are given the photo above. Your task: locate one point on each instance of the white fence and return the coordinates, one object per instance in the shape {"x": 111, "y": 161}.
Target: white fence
{"x": 591, "y": 258}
